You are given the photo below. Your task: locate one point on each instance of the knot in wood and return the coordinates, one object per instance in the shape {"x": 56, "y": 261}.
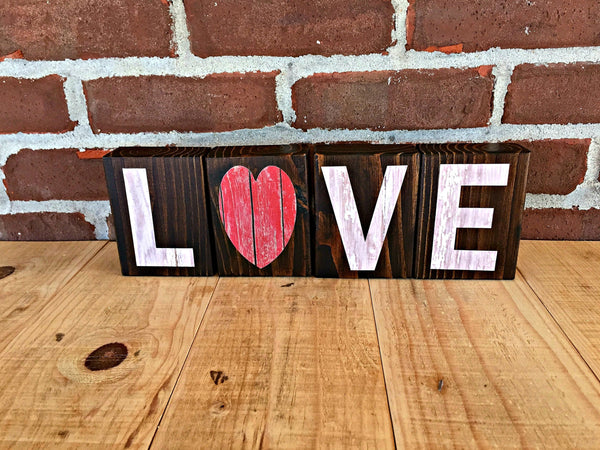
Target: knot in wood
{"x": 106, "y": 357}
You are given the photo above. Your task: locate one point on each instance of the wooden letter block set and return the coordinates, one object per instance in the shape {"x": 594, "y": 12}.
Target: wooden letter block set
{"x": 343, "y": 210}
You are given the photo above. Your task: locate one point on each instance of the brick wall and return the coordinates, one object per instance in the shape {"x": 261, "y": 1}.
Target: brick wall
{"x": 78, "y": 77}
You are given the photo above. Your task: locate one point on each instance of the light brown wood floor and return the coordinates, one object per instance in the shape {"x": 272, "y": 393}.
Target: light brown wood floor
{"x": 298, "y": 362}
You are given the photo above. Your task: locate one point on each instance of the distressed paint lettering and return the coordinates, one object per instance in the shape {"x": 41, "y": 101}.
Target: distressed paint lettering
{"x": 449, "y": 216}
{"x": 362, "y": 253}
{"x": 142, "y": 226}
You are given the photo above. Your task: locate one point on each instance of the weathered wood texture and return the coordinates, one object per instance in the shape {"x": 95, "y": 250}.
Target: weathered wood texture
{"x": 57, "y": 391}
{"x": 368, "y": 201}
{"x": 294, "y": 362}
{"x": 174, "y": 180}
{"x": 282, "y": 363}
{"x": 34, "y": 273}
{"x": 486, "y": 186}
{"x": 260, "y": 213}
{"x": 481, "y": 364}
{"x": 565, "y": 277}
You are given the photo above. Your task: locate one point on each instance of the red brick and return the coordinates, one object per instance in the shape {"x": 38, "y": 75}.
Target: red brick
{"x": 54, "y": 174}
{"x": 561, "y": 224}
{"x": 46, "y": 226}
{"x": 482, "y": 24}
{"x": 220, "y": 102}
{"x": 556, "y": 167}
{"x": 14, "y": 55}
{"x": 93, "y": 153}
{"x": 73, "y": 29}
{"x": 557, "y": 93}
{"x": 289, "y": 28}
{"x": 34, "y": 106}
{"x": 409, "y": 99}
{"x": 110, "y": 222}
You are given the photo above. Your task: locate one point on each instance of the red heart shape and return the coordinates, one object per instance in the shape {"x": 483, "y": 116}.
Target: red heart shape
{"x": 258, "y": 215}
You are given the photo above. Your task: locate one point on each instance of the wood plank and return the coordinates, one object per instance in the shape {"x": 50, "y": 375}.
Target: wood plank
{"x": 564, "y": 275}
{"x": 49, "y": 394}
{"x": 481, "y": 363}
{"x": 470, "y": 210}
{"x": 159, "y": 207}
{"x": 40, "y": 270}
{"x": 360, "y": 219}
{"x": 282, "y": 363}
{"x": 259, "y": 197}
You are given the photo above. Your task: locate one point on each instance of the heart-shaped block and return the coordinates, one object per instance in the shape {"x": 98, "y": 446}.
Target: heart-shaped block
{"x": 258, "y": 215}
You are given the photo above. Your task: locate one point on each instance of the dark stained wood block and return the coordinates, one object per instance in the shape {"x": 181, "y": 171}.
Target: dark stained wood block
{"x": 360, "y": 243}
{"x": 459, "y": 243}
{"x": 260, "y": 210}
{"x": 158, "y": 199}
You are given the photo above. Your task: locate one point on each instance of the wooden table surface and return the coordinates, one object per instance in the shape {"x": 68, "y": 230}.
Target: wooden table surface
{"x": 297, "y": 362}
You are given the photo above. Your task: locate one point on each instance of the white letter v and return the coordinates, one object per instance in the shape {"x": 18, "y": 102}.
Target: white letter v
{"x": 362, "y": 253}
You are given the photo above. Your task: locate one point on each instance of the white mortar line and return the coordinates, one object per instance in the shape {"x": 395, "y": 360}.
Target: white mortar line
{"x": 543, "y": 201}
{"x": 97, "y": 213}
{"x": 593, "y": 163}
{"x": 582, "y": 198}
{"x": 398, "y": 49}
{"x": 192, "y": 66}
{"x": 4, "y": 200}
{"x": 502, "y": 74}
{"x": 77, "y": 105}
{"x": 283, "y": 133}
{"x": 181, "y": 33}
{"x": 7, "y": 150}
{"x": 283, "y": 94}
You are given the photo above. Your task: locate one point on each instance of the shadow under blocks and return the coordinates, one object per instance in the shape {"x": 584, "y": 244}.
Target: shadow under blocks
{"x": 341, "y": 210}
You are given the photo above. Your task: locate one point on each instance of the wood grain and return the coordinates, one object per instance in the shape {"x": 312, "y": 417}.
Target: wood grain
{"x": 481, "y": 364}
{"x": 41, "y": 269}
{"x": 175, "y": 178}
{"x": 282, "y": 363}
{"x": 295, "y": 259}
{"x": 366, "y": 165}
{"x": 564, "y": 275}
{"x": 54, "y": 394}
{"x": 507, "y": 203}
